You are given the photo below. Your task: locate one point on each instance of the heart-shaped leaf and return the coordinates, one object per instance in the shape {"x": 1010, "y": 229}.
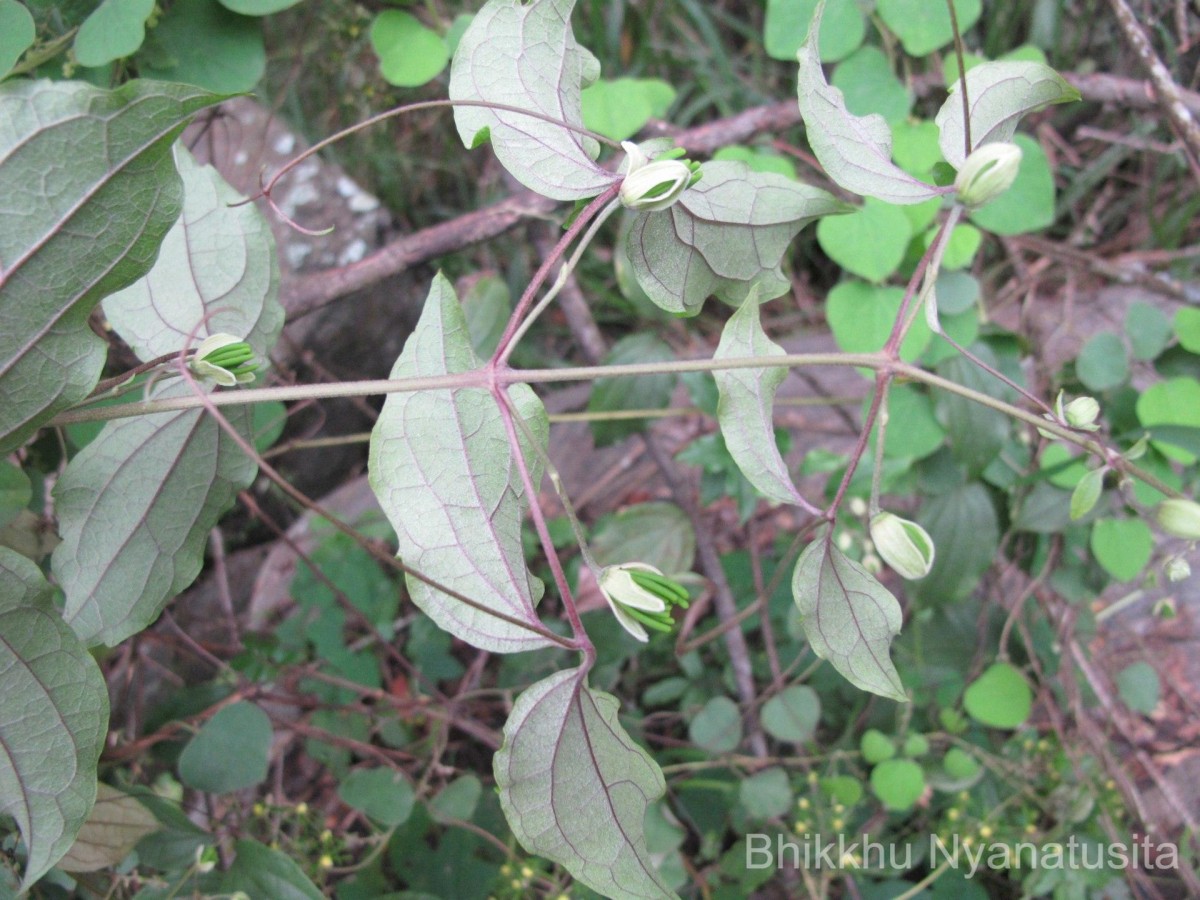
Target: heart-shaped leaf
{"x": 746, "y": 411}
{"x": 856, "y": 151}
{"x": 444, "y": 473}
{"x": 1000, "y": 95}
{"x": 524, "y": 54}
{"x": 97, "y": 229}
{"x": 849, "y": 618}
{"x": 728, "y": 231}
{"x": 575, "y": 787}
{"x": 54, "y": 720}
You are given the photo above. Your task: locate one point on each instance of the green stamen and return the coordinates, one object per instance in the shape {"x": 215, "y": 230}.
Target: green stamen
{"x": 661, "y": 586}
{"x": 652, "y": 620}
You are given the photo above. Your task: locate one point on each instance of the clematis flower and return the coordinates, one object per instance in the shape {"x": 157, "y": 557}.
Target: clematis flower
{"x": 1179, "y": 518}
{"x": 640, "y": 595}
{"x": 225, "y": 359}
{"x": 987, "y": 173}
{"x": 904, "y": 545}
{"x": 651, "y": 186}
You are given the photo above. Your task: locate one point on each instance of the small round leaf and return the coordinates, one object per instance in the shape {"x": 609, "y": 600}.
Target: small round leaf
{"x": 792, "y": 714}
{"x": 717, "y": 728}
{"x": 999, "y": 698}
{"x": 409, "y": 53}
{"x": 898, "y": 783}
{"x": 383, "y": 795}
{"x": 230, "y": 752}
{"x": 1122, "y": 546}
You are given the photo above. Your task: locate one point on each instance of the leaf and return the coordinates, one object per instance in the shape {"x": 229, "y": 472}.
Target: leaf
{"x": 1029, "y": 204}
{"x": 382, "y": 794}
{"x": 766, "y": 794}
{"x": 409, "y": 53}
{"x": 976, "y": 432}
{"x": 728, "y": 231}
{"x": 54, "y": 720}
{"x": 717, "y": 728}
{"x": 487, "y": 306}
{"x": 201, "y": 42}
{"x": 116, "y": 29}
{"x": 17, "y": 33}
{"x": 861, "y": 317}
{"x": 575, "y": 787}
{"x": 117, "y": 822}
{"x": 898, "y": 783}
{"x": 258, "y": 7}
{"x": 999, "y": 698}
{"x": 657, "y": 533}
{"x": 963, "y": 526}
{"x": 457, "y": 800}
{"x": 1122, "y": 546}
{"x": 1139, "y": 687}
{"x": 1086, "y": 493}
{"x": 15, "y": 492}
{"x": 1186, "y": 327}
{"x": 230, "y": 752}
{"x": 1174, "y": 402}
{"x": 842, "y": 29}
{"x": 869, "y": 85}
{"x": 135, "y": 507}
{"x": 1149, "y": 329}
{"x": 259, "y": 871}
{"x": 524, "y": 54}
{"x": 99, "y": 228}
{"x": 793, "y": 714}
{"x": 870, "y": 242}
{"x": 1000, "y": 94}
{"x": 849, "y": 618}
{"x": 746, "y": 411}
{"x": 630, "y": 392}
{"x": 923, "y": 26}
{"x": 856, "y": 151}
{"x": 443, "y": 471}
{"x": 619, "y": 109}
{"x": 216, "y": 272}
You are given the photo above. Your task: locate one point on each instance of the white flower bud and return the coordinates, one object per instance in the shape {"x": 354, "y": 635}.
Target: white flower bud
{"x": 1179, "y": 518}
{"x": 640, "y": 594}
{"x": 987, "y": 173}
{"x": 904, "y": 545}
{"x": 225, "y": 359}
{"x": 1082, "y": 413}
{"x": 651, "y": 186}
{"x": 1177, "y": 569}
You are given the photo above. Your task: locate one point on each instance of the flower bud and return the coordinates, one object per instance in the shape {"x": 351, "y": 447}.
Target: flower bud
{"x": 1082, "y": 413}
{"x": 904, "y": 545}
{"x": 651, "y": 186}
{"x": 225, "y": 359}
{"x": 1179, "y": 518}
{"x": 639, "y": 594}
{"x": 987, "y": 173}
{"x": 1177, "y": 569}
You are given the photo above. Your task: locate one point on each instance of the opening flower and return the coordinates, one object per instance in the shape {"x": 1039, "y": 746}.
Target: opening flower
{"x": 651, "y": 186}
{"x": 225, "y": 359}
{"x": 641, "y": 596}
{"x": 987, "y": 173}
{"x": 904, "y": 545}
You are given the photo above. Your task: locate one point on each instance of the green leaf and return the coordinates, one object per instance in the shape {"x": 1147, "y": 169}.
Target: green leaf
{"x": 898, "y": 783}
{"x": 457, "y": 801}
{"x": 15, "y": 491}
{"x": 1139, "y": 687}
{"x": 487, "y": 305}
{"x": 54, "y": 720}
{"x": 116, "y": 29}
{"x": 442, "y": 469}
{"x": 962, "y": 524}
{"x": 259, "y": 871}
{"x": 630, "y": 392}
{"x": 1122, "y": 546}
{"x": 525, "y": 55}
{"x": 216, "y": 272}
{"x": 1086, "y": 493}
{"x": 842, "y": 29}
{"x": 258, "y": 7}
{"x": 845, "y": 789}
{"x": 728, "y": 231}
{"x": 861, "y": 317}
{"x": 135, "y": 507}
{"x": 766, "y": 794}
{"x": 575, "y": 787}
{"x": 409, "y": 53}
{"x": 230, "y": 752}
{"x": 717, "y": 728}
{"x": 870, "y": 242}
{"x": 758, "y": 159}
{"x": 116, "y": 823}
{"x": 959, "y": 764}
{"x": 999, "y": 698}
{"x": 918, "y": 433}
{"x": 849, "y": 618}
{"x": 876, "y": 746}
{"x": 1174, "y": 402}
{"x": 868, "y": 86}
{"x": 201, "y": 42}
{"x": 1148, "y": 329}
{"x": 746, "y": 411}
{"x": 976, "y": 432}
{"x": 95, "y": 232}
{"x": 619, "y": 109}
{"x": 1000, "y": 94}
{"x": 658, "y": 533}
{"x": 1187, "y": 328}
{"x": 924, "y": 26}
{"x": 382, "y": 794}
{"x": 17, "y": 33}
{"x": 1029, "y": 204}
{"x": 1102, "y": 363}
{"x": 915, "y": 149}
{"x": 792, "y": 714}
{"x": 856, "y": 151}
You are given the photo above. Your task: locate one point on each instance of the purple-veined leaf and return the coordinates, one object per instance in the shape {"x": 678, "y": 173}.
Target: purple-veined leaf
{"x": 746, "y": 411}
{"x": 71, "y": 237}
{"x": 217, "y": 261}
{"x": 135, "y": 507}
{"x": 1000, "y": 94}
{"x": 849, "y": 618}
{"x": 575, "y": 787}
{"x": 728, "y": 231}
{"x": 444, "y": 473}
{"x": 524, "y": 54}
{"x": 856, "y": 151}
{"x": 54, "y": 719}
